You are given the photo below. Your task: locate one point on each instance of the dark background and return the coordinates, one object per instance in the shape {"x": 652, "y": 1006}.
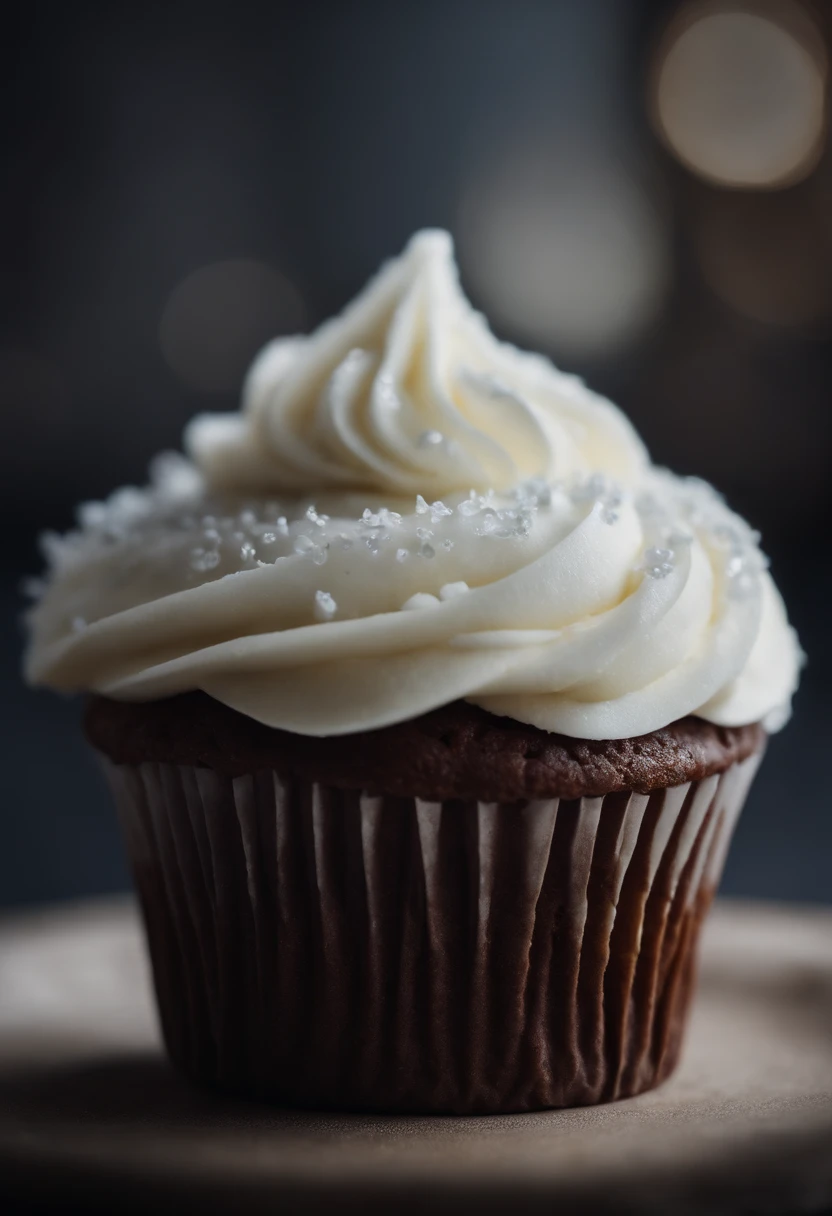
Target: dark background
{"x": 642, "y": 190}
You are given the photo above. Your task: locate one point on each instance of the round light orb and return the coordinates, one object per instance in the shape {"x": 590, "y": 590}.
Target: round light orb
{"x": 570, "y": 258}
{"x": 739, "y": 93}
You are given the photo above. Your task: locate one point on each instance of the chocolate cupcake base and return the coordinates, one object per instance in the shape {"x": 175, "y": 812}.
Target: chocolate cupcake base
{"x": 321, "y": 946}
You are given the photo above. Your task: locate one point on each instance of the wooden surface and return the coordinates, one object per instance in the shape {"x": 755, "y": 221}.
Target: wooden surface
{"x": 91, "y": 1115}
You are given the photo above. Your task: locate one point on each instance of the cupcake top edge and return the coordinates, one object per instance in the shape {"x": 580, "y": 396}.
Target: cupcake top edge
{"x": 455, "y": 752}
{"x": 406, "y": 512}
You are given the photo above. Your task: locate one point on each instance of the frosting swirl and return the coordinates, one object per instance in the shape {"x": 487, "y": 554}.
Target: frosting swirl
{"x": 303, "y": 569}
{"x": 408, "y": 390}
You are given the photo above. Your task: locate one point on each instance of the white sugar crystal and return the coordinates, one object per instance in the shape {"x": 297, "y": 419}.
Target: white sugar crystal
{"x": 282, "y": 526}
{"x": 487, "y": 525}
{"x": 451, "y": 590}
{"x": 370, "y": 519}
{"x": 125, "y": 508}
{"x": 475, "y": 503}
{"x": 438, "y": 511}
{"x": 541, "y": 491}
{"x": 426, "y": 550}
{"x": 727, "y": 536}
{"x": 422, "y": 507}
{"x": 424, "y": 533}
{"x": 504, "y": 524}
{"x": 742, "y": 585}
{"x": 591, "y": 489}
{"x": 318, "y": 520}
{"x": 306, "y": 547}
{"x": 489, "y": 384}
{"x": 658, "y": 562}
{"x": 402, "y": 555}
{"x": 610, "y": 507}
{"x": 247, "y": 551}
{"x": 385, "y": 391}
{"x": 422, "y": 599}
{"x": 598, "y": 489}
{"x": 430, "y": 439}
{"x": 56, "y": 549}
{"x": 470, "y": 506}
{"x": 268, "y": 538}
{"x": 203, "y": 560}
{"x": 174, "y": 477}
{"x": 447, "y": 544}
{"x": 92, "y": 515}
{"x": 247, "y": 518}
{"x": 325, "y": 606}
{"x": 648, "y": 504}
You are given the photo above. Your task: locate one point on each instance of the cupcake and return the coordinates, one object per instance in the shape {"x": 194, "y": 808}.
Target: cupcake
{"x": 429, "y": 705}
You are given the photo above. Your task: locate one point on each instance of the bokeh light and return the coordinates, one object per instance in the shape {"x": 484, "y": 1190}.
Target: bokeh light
{"x": 759, "y": 254}
{"x": 565, "y": 252}
{"x": 739, "y": 92}
{"x": 217, "y": 318}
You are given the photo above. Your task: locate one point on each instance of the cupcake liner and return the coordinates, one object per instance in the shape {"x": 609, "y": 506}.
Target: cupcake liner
{"x": 322, "y": 947}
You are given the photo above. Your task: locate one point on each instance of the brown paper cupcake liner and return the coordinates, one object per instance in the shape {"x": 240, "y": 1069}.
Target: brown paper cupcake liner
{"x": 321, "y": 947}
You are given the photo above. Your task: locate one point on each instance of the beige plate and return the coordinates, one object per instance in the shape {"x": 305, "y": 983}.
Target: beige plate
{"x": 90, "y": 1113}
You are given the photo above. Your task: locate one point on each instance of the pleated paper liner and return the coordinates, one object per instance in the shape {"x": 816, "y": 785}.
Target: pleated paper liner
{"x": 324, "y": 948}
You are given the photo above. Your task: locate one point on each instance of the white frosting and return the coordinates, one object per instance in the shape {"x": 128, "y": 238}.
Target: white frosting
{"x": 295, "y": 571}
{"x": 408, "y": 390}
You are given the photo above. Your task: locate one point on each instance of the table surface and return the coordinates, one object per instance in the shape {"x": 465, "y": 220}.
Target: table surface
{"x": 90, "y": 1111}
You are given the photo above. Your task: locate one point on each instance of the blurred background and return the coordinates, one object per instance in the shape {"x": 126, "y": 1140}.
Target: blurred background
{"x": 640, "y": 189}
